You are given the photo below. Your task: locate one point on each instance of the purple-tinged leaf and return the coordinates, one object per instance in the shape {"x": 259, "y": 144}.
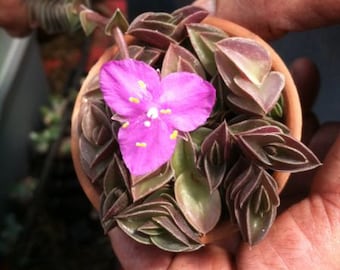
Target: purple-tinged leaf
{"x": 257, "y": 225}
{"x": 266, "y": 94}
{"x": 151, "y": 183}
{"x": 166, "y": 223}
{"x": 149, "y": 56}
{"x": 177, "y": 58}
{"x": 168, "y": 243}
{"x": 244, "y": 105}
{"x": 152, "y": 37}
{"x": 187, "y": 15}
{"x": 94, "y": 163}
{"x": 252, "y": 146}
{"x": 261, "y": 130}
{"x": 252, "y": 199}
{"x": 203, "y": 38}
{"x": 130, "y": 227}
{"x": 249, "y": 56}
{"x": 162, "y": 29}
{"x": 250, "y": 126}
{"x": 181, "y": 223}
{"x": 201, "y": 208}
{"x": 227, "y": 70}
{"x": 143, "y": 213}
{"x": 215, "y": 151}
{"x": 277, "y": 151}
{"x": 116, "y": 176}
{"x": 114, "y": 204}
{"x": 289, "y": 156}
{"x": 150, "y": 228}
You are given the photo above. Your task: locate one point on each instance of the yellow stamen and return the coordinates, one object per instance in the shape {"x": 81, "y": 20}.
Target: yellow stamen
{"x": 142, "y": 84}
{"x": 174, "y": 135}
{"x": 141, "y": 144}
{"x": 134, "y": 100}
{"x": 125, "y": 125}
{"x": 165, "y": 111}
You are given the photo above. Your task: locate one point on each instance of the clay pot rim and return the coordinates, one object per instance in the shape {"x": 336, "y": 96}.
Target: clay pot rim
{"x": 292, "y": 108}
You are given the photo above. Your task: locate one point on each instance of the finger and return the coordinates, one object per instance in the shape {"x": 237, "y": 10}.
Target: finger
{"x": 299, "y": 184}
{"x": 289, "y": 15}
{"x": 307, "y": 79}
{"x": 133, "y": 255}
{"x": 208, "y": 257}
{"x": 327, "y": 178}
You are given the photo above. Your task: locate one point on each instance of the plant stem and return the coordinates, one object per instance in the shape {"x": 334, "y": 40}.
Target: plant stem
{"x": 120, "y": 42}
{"x": 116, "y": 32}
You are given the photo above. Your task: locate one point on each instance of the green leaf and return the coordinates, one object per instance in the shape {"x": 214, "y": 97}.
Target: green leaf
{"x": 203, "y": 38}
{"x": 72, "y": 17}
{"x": 130, "y": 227}
{"x": 169, "y": 243}
{"x": 151, "y": 183}
{"x": 198, "y": 135}
{"x": 184, "y": 157}
{"x": 215, "y": 151}
{"x": 166, "y": 223}
{"x": 249, "y": 56}
{"x": 201, "y": 208}
{"x": 87, "y": 25}
{"x": 117, "y": 20}
{"x": 177, "y": 58}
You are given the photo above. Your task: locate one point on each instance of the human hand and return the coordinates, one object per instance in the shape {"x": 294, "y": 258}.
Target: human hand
{"x": 273, "y": 18}
{"x": 305, "y": 234}
{"x": 14, "y": 17}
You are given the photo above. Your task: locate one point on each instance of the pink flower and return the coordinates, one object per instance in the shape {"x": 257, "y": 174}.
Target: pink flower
{"x": 153, "y": 110}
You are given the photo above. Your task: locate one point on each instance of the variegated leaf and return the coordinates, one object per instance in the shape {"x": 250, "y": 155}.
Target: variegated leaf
{"x": 178, "y": 59}
{"x": 252, "y": 60}
{"x": 201, "y": 208}
{"x": 203, "y": 38}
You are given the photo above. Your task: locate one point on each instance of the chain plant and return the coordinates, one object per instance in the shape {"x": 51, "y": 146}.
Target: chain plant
{"x": 183, "y": 129}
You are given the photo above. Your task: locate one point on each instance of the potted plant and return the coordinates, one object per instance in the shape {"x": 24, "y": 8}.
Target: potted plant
{"x": 188, "y": 124}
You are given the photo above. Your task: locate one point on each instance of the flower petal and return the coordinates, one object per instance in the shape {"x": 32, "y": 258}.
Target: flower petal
{"x": 146, "y": 147}
{"x": 128, "y": 86}
{"x": 188, "y": 99}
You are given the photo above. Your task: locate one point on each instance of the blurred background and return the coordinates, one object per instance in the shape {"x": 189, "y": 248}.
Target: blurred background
{"x": 45, "y": 219}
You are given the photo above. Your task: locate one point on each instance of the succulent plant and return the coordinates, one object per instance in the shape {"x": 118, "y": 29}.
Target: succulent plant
{"x": 183, "y": 128}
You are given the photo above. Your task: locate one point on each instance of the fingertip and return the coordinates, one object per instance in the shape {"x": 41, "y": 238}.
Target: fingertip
{"x": 327, "y": 177}
{"x": 133, "y": 255}
{"x": 307, "y": 79}
{"x": 324, "y": 138}
{"x": 310, "y": 126}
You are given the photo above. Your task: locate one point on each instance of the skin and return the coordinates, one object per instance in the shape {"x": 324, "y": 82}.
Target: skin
{"x": 268, "y": 18}
{"x": 273, "y": 18}
{"x": 14, "y": 17}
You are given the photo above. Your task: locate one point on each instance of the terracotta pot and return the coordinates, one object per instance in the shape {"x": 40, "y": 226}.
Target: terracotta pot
{"x": 292, "y": 110}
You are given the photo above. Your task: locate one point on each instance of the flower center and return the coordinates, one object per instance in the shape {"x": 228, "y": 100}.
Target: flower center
{"x": 152, "y": 113}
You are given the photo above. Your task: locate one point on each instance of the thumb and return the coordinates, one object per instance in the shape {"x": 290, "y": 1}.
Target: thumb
{"x": 257, "y": 15}
{"x": 327, "y": 178}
